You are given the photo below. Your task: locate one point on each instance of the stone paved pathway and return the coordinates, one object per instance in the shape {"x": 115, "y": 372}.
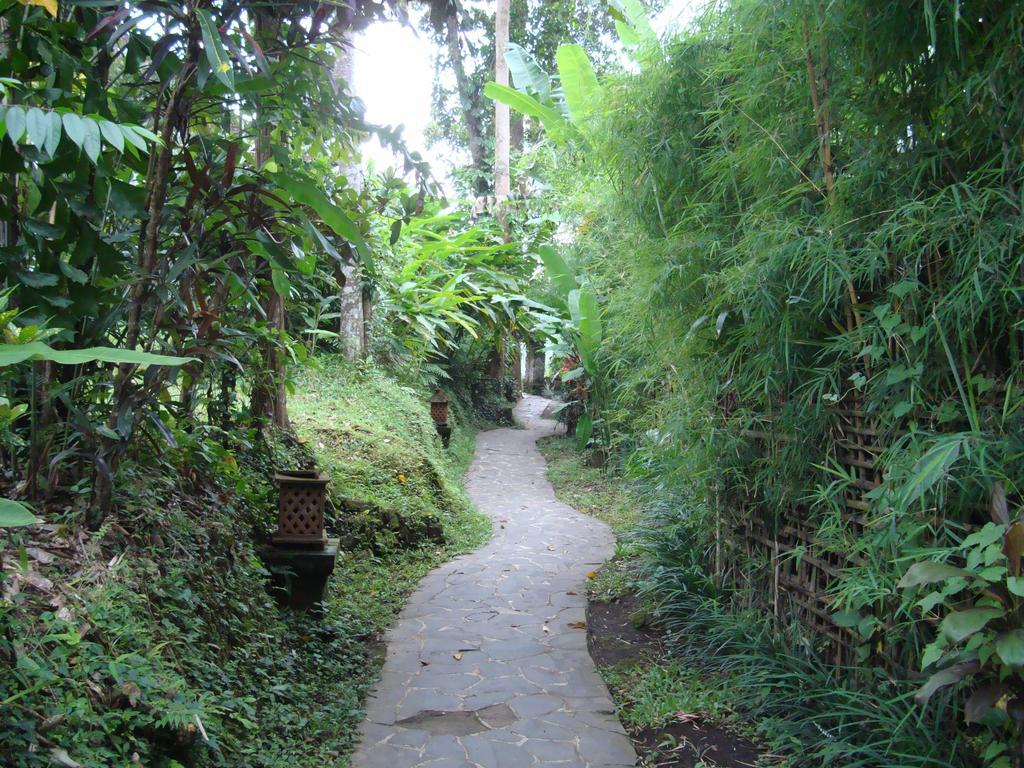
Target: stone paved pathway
{"x": 485, "y": 666}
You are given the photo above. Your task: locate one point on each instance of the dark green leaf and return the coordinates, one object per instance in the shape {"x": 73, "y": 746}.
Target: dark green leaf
{"x": 213, "y": 47}
{"x": 929, "y": 573}
{"x": 1010, "y": 647}
{"x": 944, "y": 677}
{"x": 959, "y": 625}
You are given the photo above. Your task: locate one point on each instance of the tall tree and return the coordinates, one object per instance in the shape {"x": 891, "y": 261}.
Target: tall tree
{"x": 501, "y": 112}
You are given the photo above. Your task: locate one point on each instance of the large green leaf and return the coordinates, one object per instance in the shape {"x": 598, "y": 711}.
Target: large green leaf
{"x": 584, "y": 429}
{"x": 631, "y": 21}
{"x": 213, "y": 47}
{"x": 74, "y": 127}
{"x": 943, "y": 678}
{"x": 35, "y": 122}
{"x": 1010, "y": 647}
{"x": 561, "y": 275}
{"x": 527, "y": 74}
{"x": 12, "y": 354}
{"x": 17, "y": 122}
{"x": 929, "y": 573}
{"x": 14, "y": 514}
{"x": 582, "y": 91}
{"x": 552, "y": 121}
{"x": 307, "y": 193}
{"x": 960, "y": 625}
{"x": 590, "y": 319}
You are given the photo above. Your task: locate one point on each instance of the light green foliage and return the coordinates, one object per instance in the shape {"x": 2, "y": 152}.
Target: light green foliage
{"x": 654, "y": 694}
{"x": 795, "y": 209}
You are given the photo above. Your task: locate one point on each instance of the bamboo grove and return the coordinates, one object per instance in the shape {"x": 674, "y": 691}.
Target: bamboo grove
{"x": 803, "y": 223}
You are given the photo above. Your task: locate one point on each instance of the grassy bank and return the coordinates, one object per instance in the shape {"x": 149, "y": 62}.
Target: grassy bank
{"x": 153, "y": 641}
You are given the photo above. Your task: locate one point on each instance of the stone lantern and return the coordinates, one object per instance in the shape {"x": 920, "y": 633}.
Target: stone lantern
{"x": 439, "y": 413}
{"x": 301, "y": 558}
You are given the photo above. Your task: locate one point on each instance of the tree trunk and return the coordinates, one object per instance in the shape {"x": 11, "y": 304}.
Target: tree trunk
{"x": 501, "y": 111}
{"x": 467, "y": 98}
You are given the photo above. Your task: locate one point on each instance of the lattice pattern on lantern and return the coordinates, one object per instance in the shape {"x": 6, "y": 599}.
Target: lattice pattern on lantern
{"x": 439, "y": 407}
{"x": 300, "y": 516}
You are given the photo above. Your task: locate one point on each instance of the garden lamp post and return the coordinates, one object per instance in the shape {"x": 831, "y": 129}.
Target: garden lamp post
{"x": 439, "y": 413}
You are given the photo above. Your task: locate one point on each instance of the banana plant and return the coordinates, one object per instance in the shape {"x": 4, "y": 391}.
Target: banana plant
{"x": 564, "y": 111}
{"x": 582, "y": 331}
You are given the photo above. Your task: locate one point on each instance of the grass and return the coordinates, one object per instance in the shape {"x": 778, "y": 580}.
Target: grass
{"x": 732, "y": 668}
{"x": 648, "y": 692}
{"x": 651, "y": 695}
{"x": 601, "y": 493}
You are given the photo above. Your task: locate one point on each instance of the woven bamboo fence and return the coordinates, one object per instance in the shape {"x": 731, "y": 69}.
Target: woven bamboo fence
{"x": 786, "y": 566}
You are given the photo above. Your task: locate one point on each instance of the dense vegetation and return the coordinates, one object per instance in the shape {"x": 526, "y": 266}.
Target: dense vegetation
{"x": 182, "y": 213}
{"x": 802, "y": 222}
{"x": 785, "y": 297}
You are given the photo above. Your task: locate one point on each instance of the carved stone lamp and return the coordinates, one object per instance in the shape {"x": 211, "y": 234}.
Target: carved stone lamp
{"x": 300, "y": 511}
{"x": 301, "y": 557}
{"x": 439, "y": 413}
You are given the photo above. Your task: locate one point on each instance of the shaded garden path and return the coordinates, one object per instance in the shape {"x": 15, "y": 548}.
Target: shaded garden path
{"x": 488, "y": 663}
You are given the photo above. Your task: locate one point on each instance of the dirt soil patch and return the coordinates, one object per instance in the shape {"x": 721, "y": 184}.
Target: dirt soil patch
{"x": 613, "y": 638}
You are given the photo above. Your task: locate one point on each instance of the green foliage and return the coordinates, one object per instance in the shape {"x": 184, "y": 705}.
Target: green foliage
{"x": 158, "y": 642}
{"x": 795, "y": 210}
{"x": 391, "y": 479}
{"x": 15, "y": 514}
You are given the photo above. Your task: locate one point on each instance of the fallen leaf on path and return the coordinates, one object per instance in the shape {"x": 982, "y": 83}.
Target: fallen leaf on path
{"x": 577, "y": 625}
{"x": 457, "y": 656}
{"x": 592, "y": 575}
{"x": 572, "y": 593}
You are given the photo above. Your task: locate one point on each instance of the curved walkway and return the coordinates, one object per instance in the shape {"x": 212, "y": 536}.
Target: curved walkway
{"x": 488, "y": 664}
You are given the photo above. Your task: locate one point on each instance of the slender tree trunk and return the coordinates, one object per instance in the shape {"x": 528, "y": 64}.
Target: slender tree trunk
{"x": 501, "y": 111}
{"x": 467, "y": 98}
{"x": 350, "y": 294}
{"x": 157, "y": 182}
{"x": 269, "y": 395}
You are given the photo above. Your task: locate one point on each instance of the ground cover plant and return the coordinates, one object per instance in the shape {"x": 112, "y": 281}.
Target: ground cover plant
{"x": 154, "y": 640}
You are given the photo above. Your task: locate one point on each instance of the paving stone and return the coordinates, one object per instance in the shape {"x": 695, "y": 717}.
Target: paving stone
{"x": 504, "y": 610}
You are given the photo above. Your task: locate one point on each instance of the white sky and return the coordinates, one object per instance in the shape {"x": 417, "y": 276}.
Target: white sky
{"x": 394, "y": 76}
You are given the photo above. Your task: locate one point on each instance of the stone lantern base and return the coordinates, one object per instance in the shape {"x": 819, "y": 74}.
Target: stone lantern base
{"x": 299, "y": 576}
{"x": 445, "y": 432}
